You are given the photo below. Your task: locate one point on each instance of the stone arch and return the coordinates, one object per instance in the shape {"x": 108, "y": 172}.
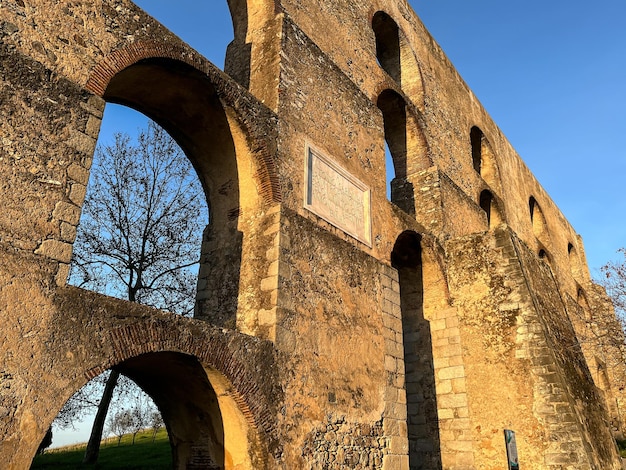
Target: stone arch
{"x": 416, "y": 273}
{"x": 407, "y": 146}
{"x": 574, "y": 262}
{"x": 483, "y": 159}
{"x": 225, "y": 95}
{"x": 538, "y": 221}
{"x": 208, "y": 116}
{"x": 216, "y": 390}
{"x": 396, "y": 56}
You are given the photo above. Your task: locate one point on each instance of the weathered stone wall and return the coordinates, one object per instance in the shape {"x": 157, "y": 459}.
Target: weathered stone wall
{"x": 519, "y": 344}
{"x": 56, "y": 339}
{"x": 50, "y": 133}
{"x": 411, "y": 345}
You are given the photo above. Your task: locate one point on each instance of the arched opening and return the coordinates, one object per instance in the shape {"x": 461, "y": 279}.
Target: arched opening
{"x": 396, "y": 57}
{"x": 476, "y": 138}
{"x": 601, "y": 376}
{"x": 387, "y": 44}
{"x": 581, "y": 300}
{"x": 205, "y": 424}
{"x": 184, "y": 102}
{"x": 394, "y": 113}
{"x": 544, "y": 256}
{"x": 575, "y": 264}
{"x": 132, "y": 420}
{"x": 538, "y": 221}
{"x": 532, "y": 203}
{"x": 422, "y": 419}
{"x": 483, "y": 159}
{"x": 485, "y": 202}
{"x": 390, "y": 173}
{"x": 141, "y": 185}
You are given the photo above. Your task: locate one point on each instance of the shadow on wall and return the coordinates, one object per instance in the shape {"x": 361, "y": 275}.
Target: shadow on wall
{"x": 422, "y": 417}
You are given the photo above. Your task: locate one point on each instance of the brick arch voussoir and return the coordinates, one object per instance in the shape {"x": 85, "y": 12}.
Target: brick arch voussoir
{"x": 213, "y": 347}
{"x": 258, "y": 122}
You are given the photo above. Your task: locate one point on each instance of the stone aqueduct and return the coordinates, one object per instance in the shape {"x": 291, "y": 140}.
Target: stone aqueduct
{"x": 334, "y": 328}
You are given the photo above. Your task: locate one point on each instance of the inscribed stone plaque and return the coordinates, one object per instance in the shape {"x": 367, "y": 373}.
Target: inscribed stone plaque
{"x": 336, "y": 196}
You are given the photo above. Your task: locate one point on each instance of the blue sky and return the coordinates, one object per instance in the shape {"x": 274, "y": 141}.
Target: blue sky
{"x": 552, "y": 74}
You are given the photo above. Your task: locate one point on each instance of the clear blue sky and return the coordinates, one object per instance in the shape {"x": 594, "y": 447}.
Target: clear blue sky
{"x": 552, "y": 74}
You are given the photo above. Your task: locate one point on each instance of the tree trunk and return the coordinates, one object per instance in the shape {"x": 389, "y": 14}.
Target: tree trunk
{"x": 93, "y": 446}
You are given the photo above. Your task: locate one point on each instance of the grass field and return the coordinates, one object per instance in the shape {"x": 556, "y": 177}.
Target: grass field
{"x": 143, "y": 455}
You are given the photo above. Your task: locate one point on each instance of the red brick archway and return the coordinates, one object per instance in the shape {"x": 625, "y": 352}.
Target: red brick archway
{"x": 216, "y": 389}
{"x": 230, "y": 96}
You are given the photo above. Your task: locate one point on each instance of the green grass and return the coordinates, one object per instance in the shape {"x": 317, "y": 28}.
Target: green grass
{"x": 143, "y": 455}
{"x": 621, "y": 445}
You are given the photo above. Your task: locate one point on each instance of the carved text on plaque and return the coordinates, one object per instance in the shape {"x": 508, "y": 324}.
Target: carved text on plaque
{"x": 338, "y": 197}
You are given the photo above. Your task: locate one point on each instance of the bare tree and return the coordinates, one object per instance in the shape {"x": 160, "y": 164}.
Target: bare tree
{"x": 120, "y": 423}
{"x": 142, "y": 413}
{"x": 156, "y": 423}
{"x": 138, "y": 422}
{"x": 140, "y": 233}
{"x": 87, "y": 399}
{"x": 614, "y": 281}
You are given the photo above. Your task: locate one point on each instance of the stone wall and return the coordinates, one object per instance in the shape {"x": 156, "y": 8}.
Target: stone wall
{"x": 409, "y": 341}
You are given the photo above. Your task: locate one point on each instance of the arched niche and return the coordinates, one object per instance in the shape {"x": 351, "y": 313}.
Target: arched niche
{"x": 583, "y": 303}
{"x": 414, "y": 274}
{"x": 538, "y": 221}
{"x": 483, "y": 159}
{"x": 575, "y": 264}
{"x": 546, "y": 257}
